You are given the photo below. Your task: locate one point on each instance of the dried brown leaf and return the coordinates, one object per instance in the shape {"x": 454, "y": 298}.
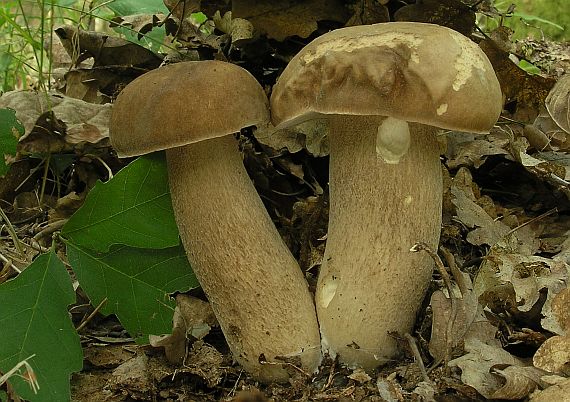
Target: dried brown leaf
{"x": 453, "y": 14}
{"x": 554, "y": 355}
{"x": 558, "y": 103}
{"x": 193, "y": 319}
{"x": 369, "y": 12}
{"x": 526, "y": 92}
{"x": 133, "y": 376}
{"x": 467, "y": 306}
{"x": 105, "y": 50}
{"x": 182, "y": 9}
{"x": 519, "y": 382}
{"x": 483, "y": 353}
{"x": 279, "y": 20}
{"x": 54, "y": 122}
{"x": 559, "y": 392}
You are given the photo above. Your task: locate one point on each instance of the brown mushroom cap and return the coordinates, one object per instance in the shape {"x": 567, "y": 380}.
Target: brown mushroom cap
{"x": 411, "y": 71}
{"x": 156, "y": 112}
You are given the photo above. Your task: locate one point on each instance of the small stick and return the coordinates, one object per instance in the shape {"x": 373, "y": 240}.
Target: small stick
{"x": 536, "y": 218}
{"x": 299, "y": 369}
{"x": 447, "y": 280}
{"x": 50, "y": 228}
{"x": 331, "y": 376}
{"x": 29, "y": 376}
{"x": 417, "y": 356}
{"x": 13, "y": 234}
{"x": 10, "y": 264}
{"x": 90, "y": 316}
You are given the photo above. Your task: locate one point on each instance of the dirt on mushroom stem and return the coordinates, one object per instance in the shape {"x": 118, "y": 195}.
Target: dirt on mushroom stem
{"x": 370, "y": 283}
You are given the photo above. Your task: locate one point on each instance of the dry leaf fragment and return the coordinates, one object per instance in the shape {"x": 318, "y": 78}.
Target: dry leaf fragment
{"x": 239, "y": 29}
{"x": 558, "y": 103}
{"x": 360, "y": 376}
{"x": 279, "y": 20}
{"x": 519, "y": 381}
{"x": 450, "y": 13}
{"x": 55, "y": 122}
{"x": 193, "y": 319}
{"x": 474, "y": 153}
{"x": 559, "y": 392}
{"x": 487, "y": 230}
{"x": 483, "y": 353}
{"x": 182, "y": 9}
{"x": 106, "y": 50}
{"x": 206, "y": 362}
{"x": 311, "y": 135}
{"x": 133, "y": 376}
{"x": 369, "y": 12}
{"x": 466, "y": 313}
{"x": 524, "y": 91}
{"x": 554, "y": 354}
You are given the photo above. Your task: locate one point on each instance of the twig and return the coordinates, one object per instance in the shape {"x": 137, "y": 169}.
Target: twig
{"x": 29, "y": 376}
{"x": 90, "y": 316}
{"x": 447, "y": 280}
{"x": 10, "y": 264}
{"x": 331, "y": 376}
{"x": 536, "y": 218}
{"x": 455, "y": 271}
{"x": 49, "y": 229}
{"x": 438, "y": 263}
{"x": 299, "y": 369}
{"x": 13, "y": 234}
{"x": 102, "y": 162}
{"x": 417, "y": 356}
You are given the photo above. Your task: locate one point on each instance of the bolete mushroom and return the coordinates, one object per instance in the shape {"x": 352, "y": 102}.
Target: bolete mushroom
{"x": 256, "y": 288}
{"x": 384, "y": 88}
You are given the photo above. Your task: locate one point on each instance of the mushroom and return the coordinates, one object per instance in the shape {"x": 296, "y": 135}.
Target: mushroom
{"x": 385, "y": 90}
{"x": 256, "y": 288}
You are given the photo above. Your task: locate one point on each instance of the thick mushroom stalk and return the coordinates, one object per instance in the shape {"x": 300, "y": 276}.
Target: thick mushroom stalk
{"x": 385, "y": 178}
{"x": 257, "y": 290}
{"x": 370, "y": 283}
{"x": 254, "y": 284}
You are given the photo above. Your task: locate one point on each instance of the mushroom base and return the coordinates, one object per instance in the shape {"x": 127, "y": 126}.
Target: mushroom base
{"x": 370, "y": 284}
{"x": 252, "y": 281}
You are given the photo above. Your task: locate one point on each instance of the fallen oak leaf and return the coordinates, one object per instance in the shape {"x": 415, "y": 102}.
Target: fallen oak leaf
{"x": 49, "y": 117}
{"x": 193, "y": 319}
{"x": 525, "y": 93}
{"x": 280, "y": 20}
{"x": 106, "y": 50}
{"x": 554, "y": 354}
{"x": 558, "y": 103}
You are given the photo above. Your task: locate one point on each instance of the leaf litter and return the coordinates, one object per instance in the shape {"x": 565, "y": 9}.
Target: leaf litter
{"x": 501, "y": 323}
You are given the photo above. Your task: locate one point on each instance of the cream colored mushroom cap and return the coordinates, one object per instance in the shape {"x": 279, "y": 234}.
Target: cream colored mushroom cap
{"x": 416, "y": 72}
{"x": 184, "y": 103}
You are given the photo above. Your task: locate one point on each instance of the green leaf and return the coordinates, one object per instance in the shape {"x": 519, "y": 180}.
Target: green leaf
{"x": 529, "y": 68}
{"x": 10, "y": 130}
{"x": 136, "y": 283}
{"x": 134, "y": 209}
{"x": 131, "y": 7}
{"x": 532, "y": 18}
{"x": 34, "y": 320}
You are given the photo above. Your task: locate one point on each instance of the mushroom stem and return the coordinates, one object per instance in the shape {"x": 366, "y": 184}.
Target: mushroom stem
{"x": 254, "y": 284}
{"x": 370, "y": 283}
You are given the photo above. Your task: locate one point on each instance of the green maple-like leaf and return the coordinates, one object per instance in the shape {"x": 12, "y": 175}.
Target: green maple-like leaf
{"x": 134, "y": 209}
{"x": 136, "y": 283}
{"x": 34, "y": 321}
